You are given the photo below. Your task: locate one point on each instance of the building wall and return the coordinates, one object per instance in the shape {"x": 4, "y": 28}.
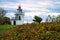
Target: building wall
{"x": 18, "y": 22}
{"x": 11, "y": 22}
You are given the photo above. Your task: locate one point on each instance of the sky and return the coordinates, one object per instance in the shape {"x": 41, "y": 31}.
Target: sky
{"x": 31, "y": 8}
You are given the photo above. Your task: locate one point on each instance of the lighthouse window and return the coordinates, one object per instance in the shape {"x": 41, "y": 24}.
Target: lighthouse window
{"x": 19, "y": 18}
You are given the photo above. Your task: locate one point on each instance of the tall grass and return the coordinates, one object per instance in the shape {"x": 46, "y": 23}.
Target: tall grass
{"x": 33, "y": 31}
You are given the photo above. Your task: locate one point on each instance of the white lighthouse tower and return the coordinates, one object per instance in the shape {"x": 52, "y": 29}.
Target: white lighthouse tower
{"x": 18, "y": 17}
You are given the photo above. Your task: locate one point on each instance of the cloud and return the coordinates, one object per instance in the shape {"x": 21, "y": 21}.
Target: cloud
{"x": 43, "y": 15}
{"x": 9, "y": 5}
{"x": 41, "y": 8}
{"x": 32, "y": 5}
{"x": 10, "y": 14}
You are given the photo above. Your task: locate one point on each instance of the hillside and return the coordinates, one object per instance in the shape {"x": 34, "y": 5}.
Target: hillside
{"x": 33, "y": 31}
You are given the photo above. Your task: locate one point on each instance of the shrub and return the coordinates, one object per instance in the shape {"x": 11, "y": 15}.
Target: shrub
{"x": 4, "y": 20}
{"x": 33, "y": 32}
{"x": 37, "y": 19}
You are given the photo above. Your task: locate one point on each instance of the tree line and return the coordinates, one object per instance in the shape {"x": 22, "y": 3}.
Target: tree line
{"x": 6, "y": 20}
{"x": 49, "y": 19}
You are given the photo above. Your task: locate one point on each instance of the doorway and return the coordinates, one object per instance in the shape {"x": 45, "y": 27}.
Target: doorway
{"x": 14, "y": 22}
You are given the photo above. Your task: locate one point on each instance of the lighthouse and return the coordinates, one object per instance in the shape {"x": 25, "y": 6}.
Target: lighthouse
{"x": 18, "y": 20}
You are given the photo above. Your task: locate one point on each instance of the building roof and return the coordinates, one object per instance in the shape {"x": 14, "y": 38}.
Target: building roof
{"x": 19, "y": 8}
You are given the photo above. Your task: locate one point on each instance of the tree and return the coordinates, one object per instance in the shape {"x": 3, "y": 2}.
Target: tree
{"x": 49, "y": 19}
{"x": 2, "y": 12}
{"x": 4, "y": 20}
{"x": 58, "y": 18}
{"x": 37, "y": 19}
{"x": 53, "y": 18}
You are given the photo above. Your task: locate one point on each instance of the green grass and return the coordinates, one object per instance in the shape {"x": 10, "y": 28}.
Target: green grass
{"x": 4, "y": 28}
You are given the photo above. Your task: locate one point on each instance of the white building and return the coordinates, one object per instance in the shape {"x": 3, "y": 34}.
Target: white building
{"x": 18, "y": 20}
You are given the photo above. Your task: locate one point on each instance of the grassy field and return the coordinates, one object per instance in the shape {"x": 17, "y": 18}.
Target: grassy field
{"x": 4, "y": 28}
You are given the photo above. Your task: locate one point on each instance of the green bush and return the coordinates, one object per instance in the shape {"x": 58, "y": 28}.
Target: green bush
{"x": 37, "y": 19}
{"x": 4, "y": 20}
